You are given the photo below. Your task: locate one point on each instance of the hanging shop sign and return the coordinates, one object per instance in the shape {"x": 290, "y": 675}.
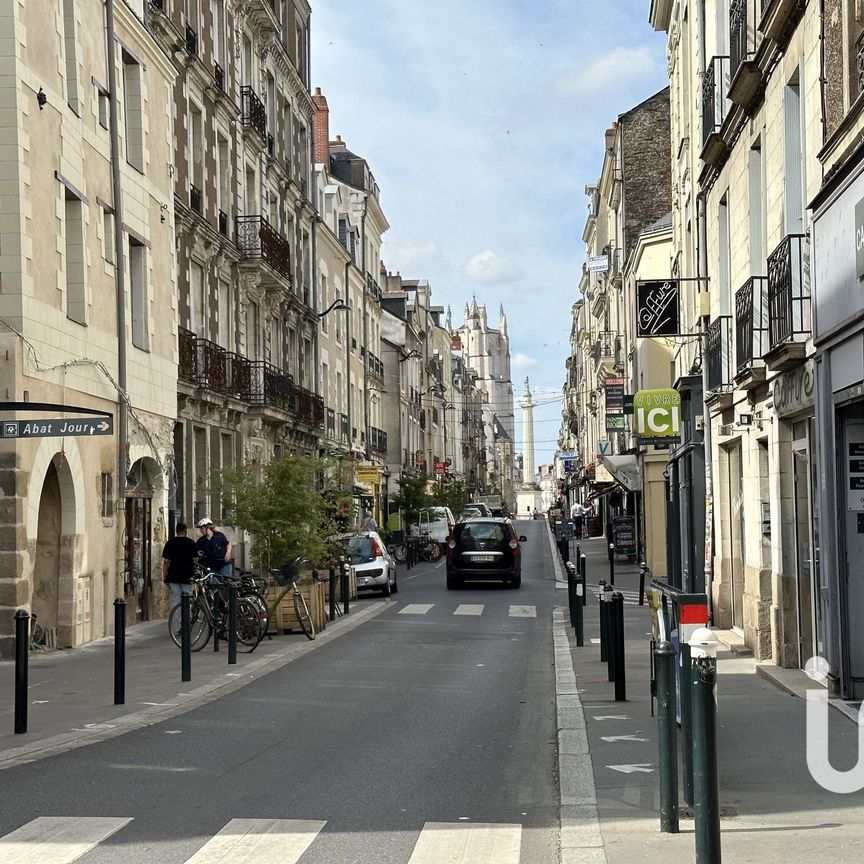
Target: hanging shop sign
{"x": 657, "y": 416}
{"x": 615, "y": 423}
{"x": 598, "y": 263}
{"x": 657, "y": 307}
{"x": 614, "y": 388}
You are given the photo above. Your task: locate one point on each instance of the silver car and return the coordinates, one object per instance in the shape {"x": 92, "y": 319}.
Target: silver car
{"x": 374, "y": 567}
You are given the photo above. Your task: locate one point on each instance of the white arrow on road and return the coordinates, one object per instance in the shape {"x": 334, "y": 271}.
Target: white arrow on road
{"x": 612, "y": 738}
{"x": 630, "y": 769}
{"x": 612, "y": 717}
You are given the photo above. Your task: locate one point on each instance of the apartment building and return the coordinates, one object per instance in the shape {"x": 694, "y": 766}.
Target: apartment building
{"x": 86, "y": 315}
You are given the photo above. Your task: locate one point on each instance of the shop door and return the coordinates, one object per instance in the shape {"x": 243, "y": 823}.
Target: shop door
{"x": 806, "y": 532}
{"x": 733, "y": 540}
{"x": 138, "y": 583}
{"x": 852, "y": 472}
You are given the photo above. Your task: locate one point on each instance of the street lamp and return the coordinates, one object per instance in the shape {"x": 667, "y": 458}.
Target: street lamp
{"x": 339, "y": 305}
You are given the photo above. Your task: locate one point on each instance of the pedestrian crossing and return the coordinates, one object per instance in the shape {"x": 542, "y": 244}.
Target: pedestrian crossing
{"x": 470, "y": 609}
{"x": 65, "y": 839}
{"x": 631, "y": 597}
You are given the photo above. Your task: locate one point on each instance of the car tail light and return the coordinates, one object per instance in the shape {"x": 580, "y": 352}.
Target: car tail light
{"x": 377, "y": 551}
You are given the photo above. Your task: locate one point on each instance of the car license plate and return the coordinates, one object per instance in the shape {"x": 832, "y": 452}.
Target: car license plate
{"x": 484, "y": 557}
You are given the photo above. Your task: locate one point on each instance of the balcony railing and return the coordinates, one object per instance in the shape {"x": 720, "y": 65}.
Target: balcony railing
{"x": 377, "y": 440}
{"x": 258, "y": 239}
{"x": 253, "y": 114}
{"x": 309, "y": 408}
{"x": 195, "y": 198}
{"x": 720, "y": 353}
{"x": 238, "y": 376}
{"x": 788, "y": 292}
{"x": 187, "y": 356}
{"x": 751, "y": 318}
{"x": 206, "y": 364}
{"x": 211, "y": 365}
{"x": 271, "y": 386}
{"x": 744, "y": 39}
{"x": 331, "y": 423}
{"x": 343, "y": 428}
{"x": 604, "y": 346}
{"x": 219, "y": 77}
{"x": 715, "y": 106}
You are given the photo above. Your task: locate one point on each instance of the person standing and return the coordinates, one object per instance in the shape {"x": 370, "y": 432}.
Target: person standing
{"x": 368, "y": 522}
{"x": 216, "y": 547}
{"x": 577, "y": 515}
{"x": 178, "y": 563}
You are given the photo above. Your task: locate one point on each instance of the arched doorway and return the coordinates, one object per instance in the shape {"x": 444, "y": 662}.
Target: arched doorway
{"x": 138, "y": 577}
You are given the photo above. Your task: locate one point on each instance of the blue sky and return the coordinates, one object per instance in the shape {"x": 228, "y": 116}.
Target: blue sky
{"x": 483, "y": 122}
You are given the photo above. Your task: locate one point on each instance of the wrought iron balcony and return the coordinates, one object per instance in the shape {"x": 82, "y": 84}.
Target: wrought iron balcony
{"x": 788, "y": 299}
{"x": 211, "y": 365}
{"x": 253, "y": 114}
{"x": 309, "y": 408}
{"x": 258, "y": 239}
{"x": 343, "y": 428}
{"x": 187, "y": 356}
{"x": 219, "y": 77}
{"x": 331, "y": 423}
{"x": 271, "y": 386}
{"x": 720, "y": 355}
{"x": 195, "y": 199}
{"x": 744, "y": 39}
{"x": 238, "y": 376}
{"x": 715, "y": 108}
{"x": 191, "y": 40}
{"x": 751, "y": 323}
{"x": 377, "y": 440}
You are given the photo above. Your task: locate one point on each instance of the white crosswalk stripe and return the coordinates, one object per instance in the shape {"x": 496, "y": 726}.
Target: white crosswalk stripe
{"x": 416, "y": 609}
{"x": 58, "y": 839}
{"x": 467, "y": 843}
{"x": 469, "y": 609}
{"x": 266, "y": 841}
{"x": 523, "y": 611}
{"x": 64, "y": 839}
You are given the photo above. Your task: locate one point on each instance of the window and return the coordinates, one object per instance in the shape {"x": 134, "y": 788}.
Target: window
{"x": 196, "y": 157}
{"x": 724, "y": 255}
{"x": 76, "y": 289}
{"x": 69, "y": 48}
{"x": 108, "y": 235}
{"x": 196, "y": 299}
{"x": 133, "y": 110}
{"x": 758, "y": 211}
{"x": 325, "y": 383}
{"x": 219, "y": 31}
{"x": 107, "y": 495}
{"x": 225, "y": 311}
{"x": 324, "y": 303}
{"x": 102, "y": 105}
{"x": 276, "y": 341}
{"x": 793, "y": 140}
{"x": 138, "y": 291}
{"x": 251, "y": 191}
{"x": 223, "y": 175}
{"x": 253, "y": 335}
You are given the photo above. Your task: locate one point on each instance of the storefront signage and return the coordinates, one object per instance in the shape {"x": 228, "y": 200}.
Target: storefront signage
{"x": 855, "y": 473}
{"x": 441, "y": 467}
{"x": 57, "y": 427}
{"x": 859, "y": 238}
{"x": 657, "y": 307}
{"x": 614, "y": 395}
{"x": 793, "y": 391}
{"x": 657, "y": 415}
{"x": 615, "y": 423}
{"x": 598, "y": 263}
{"x": 368, "y": 475}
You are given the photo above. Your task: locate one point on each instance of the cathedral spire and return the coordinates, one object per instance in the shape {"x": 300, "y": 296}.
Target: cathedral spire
{"x": 503, "y": 321}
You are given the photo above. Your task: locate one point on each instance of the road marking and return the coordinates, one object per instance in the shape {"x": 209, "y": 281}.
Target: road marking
{"x": 58, "y": 839}
{"x": 612, "y": 717}
{"x": 265, "y": 841}
{"x": 416, "y": 609}
{"x": 467, "y": 843}
{"x": 611, "y": 739}
{"x": 644, "y": 768}
{"x": 469, "y": 609}
{"x": 523, "y": 611}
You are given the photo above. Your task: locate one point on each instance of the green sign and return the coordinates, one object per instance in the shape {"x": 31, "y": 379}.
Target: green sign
{"x": 657, "y": 413}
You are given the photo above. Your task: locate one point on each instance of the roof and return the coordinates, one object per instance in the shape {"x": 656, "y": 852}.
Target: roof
{"x": 662, "y": 224}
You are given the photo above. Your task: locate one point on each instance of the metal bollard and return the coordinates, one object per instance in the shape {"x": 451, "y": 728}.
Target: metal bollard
{"x": 620, "y": 669}
{"x": 571, "y": 594}
{"x": 611, "y": 634}
{"x": 611, "y": 563}
{"x": 120, "y": 651}
{"x": 664, "y": 664}
{"x": 583, "y": 569}
{"x": 643, "y": 567}
{"x": 185, "y": 639}
{"x": 706, "y": 782}
{"x": 579, "y": 624}
{"x": 332, "y": 593}
{"x": 345, "y": 588}
{"x": 232, "y": 624}
{"x": 22, "y": 658}
{"x": 685, "y": 673}
{"x": 604, "y": 634}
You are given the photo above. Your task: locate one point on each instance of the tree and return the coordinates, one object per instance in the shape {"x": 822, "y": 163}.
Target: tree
{"x": 453, "y": 494}
{"x": 411, "y": 498}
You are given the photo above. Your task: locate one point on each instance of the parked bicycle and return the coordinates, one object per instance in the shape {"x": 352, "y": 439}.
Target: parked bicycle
{"x": 284, "y": 577}
{"x": 425, "y": 548}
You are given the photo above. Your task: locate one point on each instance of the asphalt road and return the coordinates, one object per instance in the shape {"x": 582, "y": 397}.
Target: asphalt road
{"x": 397, "y": 742}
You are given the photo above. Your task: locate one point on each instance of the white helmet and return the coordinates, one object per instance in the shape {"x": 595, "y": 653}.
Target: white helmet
{"x": 203, "y": 523}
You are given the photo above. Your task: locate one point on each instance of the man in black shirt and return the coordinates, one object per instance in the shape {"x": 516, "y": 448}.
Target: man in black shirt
{"x": 178, "y": 558}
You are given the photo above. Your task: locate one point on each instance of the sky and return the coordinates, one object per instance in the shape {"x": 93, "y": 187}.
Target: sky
{"x": 483, "y": 121}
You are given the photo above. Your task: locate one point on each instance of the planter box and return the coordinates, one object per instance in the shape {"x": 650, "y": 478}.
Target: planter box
{"x": 352, "y": 586}
{"x": 313, "y": 590}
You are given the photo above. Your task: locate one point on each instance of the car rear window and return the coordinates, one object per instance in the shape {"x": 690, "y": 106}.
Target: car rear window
{"x": 488, "y": 531}
{"x": 358, "y": 549}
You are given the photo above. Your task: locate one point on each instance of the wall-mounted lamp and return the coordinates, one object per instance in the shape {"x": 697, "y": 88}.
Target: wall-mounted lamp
{"x": 163, "y": 209}
{"x": 41, "y": 98}
{"x": 411, "y": 354}
{"x": 338, "y": 305}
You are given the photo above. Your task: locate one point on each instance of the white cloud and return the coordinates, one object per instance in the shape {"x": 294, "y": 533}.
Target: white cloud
{"x": 609, "y": 72}
{"x": 519, "y": 362}
{"x": 491, "y": 269}
{"x": 410, "y": 255}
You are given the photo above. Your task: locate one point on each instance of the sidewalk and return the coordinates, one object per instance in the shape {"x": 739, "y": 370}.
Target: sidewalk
{"x": 771, "y": 808}
{"x": 71, "y": 693}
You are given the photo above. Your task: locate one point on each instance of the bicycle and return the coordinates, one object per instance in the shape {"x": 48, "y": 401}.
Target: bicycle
{"x": 426, "y": 549}
{"x": 286, "y": 576}
{"x": 38, "y": 636}
{"x": 208, "y": 614}
{"x": 249, "y": 588}
{"x": 399, "y": 552}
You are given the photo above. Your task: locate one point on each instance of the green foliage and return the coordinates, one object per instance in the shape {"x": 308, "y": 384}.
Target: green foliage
{"x": 411, "y": 498}
{"x": 453, "y": 494}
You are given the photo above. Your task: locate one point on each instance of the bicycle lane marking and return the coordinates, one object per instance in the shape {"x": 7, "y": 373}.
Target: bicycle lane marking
{"x": 435, "y": 566}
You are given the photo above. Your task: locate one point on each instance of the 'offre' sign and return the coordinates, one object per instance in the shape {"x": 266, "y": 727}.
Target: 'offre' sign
{"x": 57, "y": 427}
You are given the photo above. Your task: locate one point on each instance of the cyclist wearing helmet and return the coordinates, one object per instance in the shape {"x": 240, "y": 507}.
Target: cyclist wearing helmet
{"x": 216, "y": 547}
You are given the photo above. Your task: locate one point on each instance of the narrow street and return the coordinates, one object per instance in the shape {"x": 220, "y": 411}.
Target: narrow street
{"x": 437, "y": 714}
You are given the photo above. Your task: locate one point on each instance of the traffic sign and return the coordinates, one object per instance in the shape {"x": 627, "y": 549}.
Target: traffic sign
{"x": 57, "y": 427}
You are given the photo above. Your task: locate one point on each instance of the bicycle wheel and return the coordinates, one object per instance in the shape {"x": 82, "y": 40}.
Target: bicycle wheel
{"x": 248, "y": 623}
{"x": 304, "y": 619}
{"x": 433, "y": 550}
{"x": 263, "y": 612}
{"x": 400, "y": 553}
{"x": 199, "y": 625}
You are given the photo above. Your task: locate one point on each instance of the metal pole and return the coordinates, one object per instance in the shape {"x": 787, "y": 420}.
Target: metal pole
{"x": 706, "y": 785}
{"x": 604, "y": 638}
{"x": 232, "y": 625}
{"x": 22, "y": 657}
{"x": 620, "y": 669}
{"x": 685, "y": 673}
{"x": 332, "y": 593}
{"x": 611, "y": 634}
{"x": 120, "y": 651}
{"x": 185, "y": 639}
{"x": 664, "y": 665}
{"x": 571, "y": 593}
{"x": 642, "y": 568}
{"x": 611, "y": 563}
{"x": 579, "y": 624}
{"x": 346, "y": 600}
{"x": 583, "y": 569}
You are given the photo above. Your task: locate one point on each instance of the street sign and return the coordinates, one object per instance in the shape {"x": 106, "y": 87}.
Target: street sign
{"x": 57, "y": 427}
{"x": 598, "y": 263}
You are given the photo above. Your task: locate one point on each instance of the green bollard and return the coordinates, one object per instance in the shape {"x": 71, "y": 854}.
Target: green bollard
{"x": 664, "y": 666}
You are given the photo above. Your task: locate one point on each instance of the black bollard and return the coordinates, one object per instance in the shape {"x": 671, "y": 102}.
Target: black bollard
{"x": 706, "y": 785}
{"x": 120, "y": 651}
{"x": 579, "y": 624}
{"x": 685, "y": 672}
{"x": 571, "y": 594}
{"x": 346, "y": 588}
{"x": 583, "y": 569}
{"x": 664, "y": 666}
{"x": 232, "y": 624}
{"x": 604, "y": 621}
{"x": 22, "y": 657}
{"x": 642, "y": 568}
{"x": 620, "y": 669}
{"x": 332, "y": 593}
{"x": 185, "y": 639}
{"x": 611, "y": 563}
{"x": 611, "y": 633}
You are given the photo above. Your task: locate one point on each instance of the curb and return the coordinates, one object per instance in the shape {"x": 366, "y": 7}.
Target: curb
{"x": 581, "y": 840}
{"x": 185, "y": 702}
{"x": 556, "y": 558}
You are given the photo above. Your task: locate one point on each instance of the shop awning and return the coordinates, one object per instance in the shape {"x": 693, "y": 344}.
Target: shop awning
{"x": 625, "y": 469}
{"x": 599, "y": 493}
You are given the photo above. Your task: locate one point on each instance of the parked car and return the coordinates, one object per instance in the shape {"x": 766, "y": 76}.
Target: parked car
{"x": 484, "y": 548}
{"x": 373, "y": 565}
{"x": 437, "y": 522}
{"x": 479, "y": 505}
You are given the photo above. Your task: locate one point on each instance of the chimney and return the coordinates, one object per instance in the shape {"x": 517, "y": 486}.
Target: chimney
{"x": 321, "y": 128}
{"x": 338, "y": 144}
{"x": 611, "y": 134}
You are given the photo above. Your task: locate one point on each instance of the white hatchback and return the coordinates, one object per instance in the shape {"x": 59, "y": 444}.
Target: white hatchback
{"x": 373, "y": 565}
